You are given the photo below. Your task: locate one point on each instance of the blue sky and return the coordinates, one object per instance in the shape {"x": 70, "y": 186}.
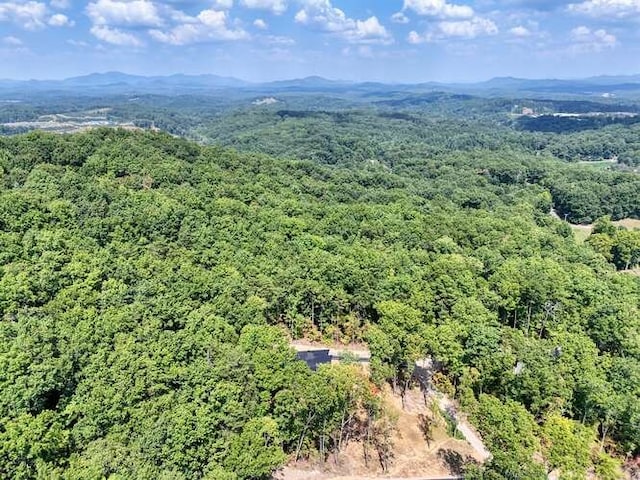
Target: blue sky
{"x": 385, "y": 40}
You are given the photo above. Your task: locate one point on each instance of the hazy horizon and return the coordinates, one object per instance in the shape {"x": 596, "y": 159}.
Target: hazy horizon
{"x": 331, "y": 79}
{"x": 392, "y": 41}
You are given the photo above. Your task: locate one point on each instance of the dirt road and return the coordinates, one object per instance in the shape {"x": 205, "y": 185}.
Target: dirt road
{"x": 464, "y": 427}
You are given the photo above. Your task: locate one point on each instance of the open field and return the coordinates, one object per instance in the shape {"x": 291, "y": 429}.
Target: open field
{"x": 582, "y": 232}
{"x": 629, "y": 223}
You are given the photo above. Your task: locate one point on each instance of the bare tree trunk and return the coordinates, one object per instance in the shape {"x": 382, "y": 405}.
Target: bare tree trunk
{"x": 367, "y": 440}
{"x": 342, "y": 425}
{"x": 304, "y": 431}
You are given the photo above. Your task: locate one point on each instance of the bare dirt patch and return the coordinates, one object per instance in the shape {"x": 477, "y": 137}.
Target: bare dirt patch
{"x": 414, "y": 457}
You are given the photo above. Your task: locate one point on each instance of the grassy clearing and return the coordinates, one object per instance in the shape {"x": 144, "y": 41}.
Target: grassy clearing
{"x": 629, "y": 223}
{"x": 582, "y": 232}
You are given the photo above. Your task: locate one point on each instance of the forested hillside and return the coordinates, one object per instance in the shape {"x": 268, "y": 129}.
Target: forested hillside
{"x": 147, "y": 285}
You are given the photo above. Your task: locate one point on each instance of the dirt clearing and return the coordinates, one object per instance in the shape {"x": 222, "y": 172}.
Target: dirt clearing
{"x": 413, "y": 457}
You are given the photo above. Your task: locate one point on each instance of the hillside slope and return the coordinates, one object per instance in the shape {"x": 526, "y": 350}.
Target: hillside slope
{"x": 145, "y": 283}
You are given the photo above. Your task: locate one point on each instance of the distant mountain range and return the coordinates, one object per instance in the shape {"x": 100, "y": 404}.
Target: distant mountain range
{"x": 598, "y": 84}
{"x": 117, "y": 82}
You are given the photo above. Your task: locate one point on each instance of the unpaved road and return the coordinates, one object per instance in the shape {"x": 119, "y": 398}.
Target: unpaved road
{"x": 464, "y": 427}
{"x": 362, "y": 355}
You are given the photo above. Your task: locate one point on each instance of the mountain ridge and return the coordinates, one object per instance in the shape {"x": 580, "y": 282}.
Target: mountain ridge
{"x": 115, "y": 81}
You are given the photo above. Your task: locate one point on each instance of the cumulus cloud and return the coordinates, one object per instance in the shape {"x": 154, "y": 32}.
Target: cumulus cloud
{"x": 60, "y": 20}
{"x": 140, "y": 13}
{"x": 461, "y": 29}
{"x": 455, "y": 21}
{"x": 438, "y": 8}
{"x": 29, "y": 15}
{"x": 587, "y": 40}
{"x": 260, "y": 23}
{"x": 275, "y": 6}
{"x": 121, "y": 22}
{"x": 209, "y": 25}
{"x": 367, "y": 31}
{"x": 468, "y": 28}
{"x": 414, "y": 38}
{"x": 607, "y": 8}
{"x": 323, "y": 16}
{"x": 520, "y": 31}
{"x": 580, "y": 32}
{"x": 115, "y": 36}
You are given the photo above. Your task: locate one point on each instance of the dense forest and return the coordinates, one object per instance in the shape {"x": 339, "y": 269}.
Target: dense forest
{"x": 350, "y": 126}
{"x": 149, "y": 285}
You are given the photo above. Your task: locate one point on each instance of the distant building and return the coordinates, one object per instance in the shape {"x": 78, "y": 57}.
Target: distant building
{"x": 527, "y": 111}
{"x": 314, "y": 357}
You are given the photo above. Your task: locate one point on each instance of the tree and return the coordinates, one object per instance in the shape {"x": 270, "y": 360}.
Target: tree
{"x": 396, "y": 341}
{"x": 255, "y": 453}
{"x": 566, "y": 446}
{"x": 509, "y": 432}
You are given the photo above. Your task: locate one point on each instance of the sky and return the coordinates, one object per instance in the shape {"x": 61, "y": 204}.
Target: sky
{"x": 377, "y": 40}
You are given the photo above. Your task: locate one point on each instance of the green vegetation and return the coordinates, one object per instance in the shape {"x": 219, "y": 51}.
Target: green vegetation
{"x": 618, "y": 245}
{"x": 147, "y": 285}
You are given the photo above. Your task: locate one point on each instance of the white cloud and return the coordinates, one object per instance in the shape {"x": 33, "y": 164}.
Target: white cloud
{"x": 438, "y": 8}
{"x": 12, "y": 41}
{"x": 222, "y": 4}
{"x": 368, "y": 31}
{"x": 260, "y": 23}
{"x": 209, "y": 25}
{"x": 414, "y": 38}
{"x": 399, "y": 18}
{"x": 587, "y": 40}
{"x": 468, "y": 28}
{"x": 321, "y": 15}
{"x": 607, "y": 8}
{"x": 520, "y": 31}
{"x": 61, "y": 4}
{"x": 121, "y": 13}
{"x": 580, "y": 32}
{"x": 115, "y": 36}
{"x": 29, "y": 15}
{"x": 461, "y": 29}
{"x": 60, "y": 20}
{"x": 275, "y": 6}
